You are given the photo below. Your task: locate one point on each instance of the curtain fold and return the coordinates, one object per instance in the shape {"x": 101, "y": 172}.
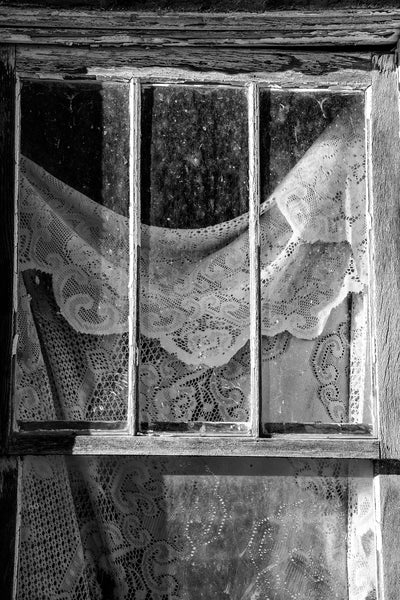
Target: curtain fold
{"x": 194, "y": 284}
{"x": 194, "y": 293}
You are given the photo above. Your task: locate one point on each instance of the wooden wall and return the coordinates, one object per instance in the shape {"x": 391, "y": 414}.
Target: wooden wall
{"x": 208, "y": 5}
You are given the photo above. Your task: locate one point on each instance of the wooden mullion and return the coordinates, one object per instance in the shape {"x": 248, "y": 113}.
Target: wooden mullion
{"x": 254, "y": 252}
{"x": 385, "y": 186}
{"x": 134, "y": 245}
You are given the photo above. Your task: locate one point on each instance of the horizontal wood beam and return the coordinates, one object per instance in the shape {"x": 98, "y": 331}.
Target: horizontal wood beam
{"x": 273, "y": 29}
{"x": 341, "y": 446}
{"x": 306, "y": 68}
{"x": 204, "y": 6}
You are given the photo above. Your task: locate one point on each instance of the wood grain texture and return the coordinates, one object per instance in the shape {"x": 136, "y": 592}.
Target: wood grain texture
{"x": 8, "y": 524}
{"x": 134, "y": 251}
{"x": 254, "y": 254}
{"x": 86, "y": 426}
{"x": 340, "y": 446}
{"x": 318, "y": 69}
{"x": 299, "y": 28}
{"x": 196, "y": 428}
{"x": 385, "y": 148}
{"x": 7, "y": 172}
{"x": 204, "y": 6}
{"x": 387, "y": 490}
{"x": 316, "y": 428}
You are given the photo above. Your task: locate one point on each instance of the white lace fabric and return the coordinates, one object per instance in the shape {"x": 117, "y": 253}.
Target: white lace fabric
{"x": 194, "y": 291}
{"x": 194, "y": 284}
{"x": 130, "y": 527}
{"x": 83, "y": 245}
{"x": 152, "y": 528}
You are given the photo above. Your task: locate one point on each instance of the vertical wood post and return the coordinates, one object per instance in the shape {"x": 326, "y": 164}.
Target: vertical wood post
{"x": 7, "y": 191}
{"x": 387, "y": 495}
{"x": 8, "y": 525}
{"x": 134, "y": 249}
{"x": 8, "y": 467}
{"x": 385, "y": 185}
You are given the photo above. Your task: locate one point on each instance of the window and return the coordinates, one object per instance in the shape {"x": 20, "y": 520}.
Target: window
{"x": 207, "y": 281}
{"x": 200, "y": 257}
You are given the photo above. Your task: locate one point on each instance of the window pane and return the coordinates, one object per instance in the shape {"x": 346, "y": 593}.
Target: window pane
{"x": 72, "y": 355}
{"x": 194, "y": 528}
{"x": 194, "y": 315}
{"x": 314, "y": 261}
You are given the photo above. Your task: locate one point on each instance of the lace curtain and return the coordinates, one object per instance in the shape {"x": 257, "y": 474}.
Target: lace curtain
{"x": 147, "y": 529}
{"x": 126, "y": 528}
{"x": 194, "y": 289}
{"x": 313, "y": 233}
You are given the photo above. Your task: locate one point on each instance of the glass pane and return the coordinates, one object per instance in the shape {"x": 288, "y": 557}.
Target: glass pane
{"x": 72, "y": 355}
{"x": 314, "y": 262}
{"x": 195, "y": 528}
{"x": 194, "y": 315}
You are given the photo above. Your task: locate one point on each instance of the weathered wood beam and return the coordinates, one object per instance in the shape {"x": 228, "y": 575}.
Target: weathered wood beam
{"x": 274, "y": 29}
{"x": 256, "y": 6}
{"x": 7, "y": 190}
{"x": 317, "y": 446}
{"x": 8, "y": 466}
{"x": 324, "y": 68}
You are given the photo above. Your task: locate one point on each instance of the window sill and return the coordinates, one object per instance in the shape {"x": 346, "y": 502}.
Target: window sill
{"x": 289, "y": 445}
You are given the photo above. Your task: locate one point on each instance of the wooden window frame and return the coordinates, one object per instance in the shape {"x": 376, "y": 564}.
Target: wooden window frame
{"x": 76, "y": 44}
{"x": 245, "y": 438}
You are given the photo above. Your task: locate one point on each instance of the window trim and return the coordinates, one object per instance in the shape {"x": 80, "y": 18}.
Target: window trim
{"x": 323, "y": 440}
